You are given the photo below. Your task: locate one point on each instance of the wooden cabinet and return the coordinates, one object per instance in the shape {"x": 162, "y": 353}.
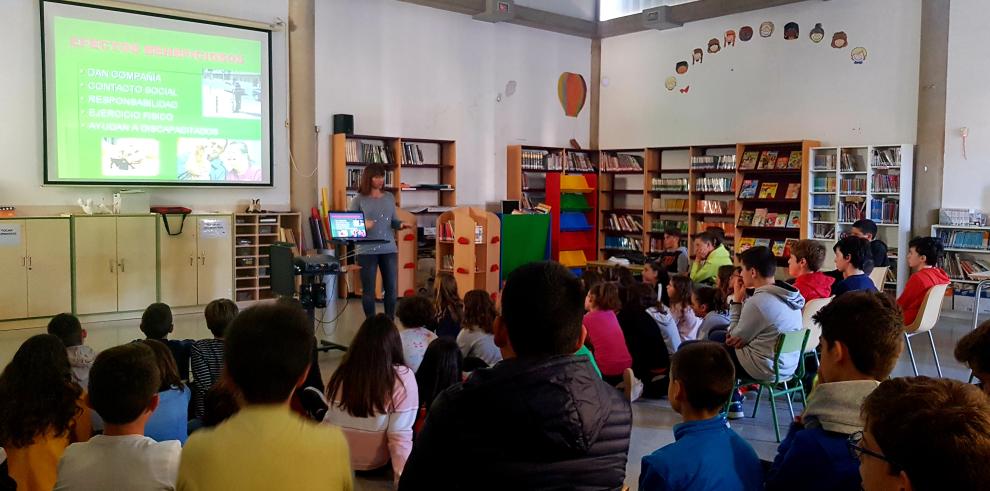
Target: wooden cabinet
{"x": 35, "y": 268}
{"x": 115, "y": 263}
{"x": 197, "y": 265}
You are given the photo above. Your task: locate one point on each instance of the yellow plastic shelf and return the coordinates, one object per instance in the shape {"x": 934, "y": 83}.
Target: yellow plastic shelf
{"x": 573, "y": 259}
{"x": 574, "y": 184}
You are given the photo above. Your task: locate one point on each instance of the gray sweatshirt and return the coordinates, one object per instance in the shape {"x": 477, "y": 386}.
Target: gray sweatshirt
{"x": 834, "y": 406}
{"x": 382, "y": 211}
{"x": 683, "y": 261}
{"x": 772, "y": 310}
{"x": 668, "y": 327}
{"x": 712, "y": 320}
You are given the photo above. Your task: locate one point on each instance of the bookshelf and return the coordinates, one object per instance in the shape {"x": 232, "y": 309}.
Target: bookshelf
{"x": 669, "y": 200}
{"x": 713, "y": 186}
{"x": 967, "y": 258}
{"x": 468, "y": 246}
{"x": 622, "y": 201}
{"x": 772, "y": 195}
{"x": 855, "y": 182}
{"x": 253, "y": 235}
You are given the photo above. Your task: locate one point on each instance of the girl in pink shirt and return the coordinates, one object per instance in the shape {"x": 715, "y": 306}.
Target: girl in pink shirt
{"x": 604, "y": 333}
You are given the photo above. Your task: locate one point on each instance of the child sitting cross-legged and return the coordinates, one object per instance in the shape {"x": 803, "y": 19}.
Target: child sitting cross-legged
{"x": 706, "y": 453}
{"x": 206, "y": 355}
{"x": 169, "y": 421}
{"x": 476, "y": 338}
{"x": 709, "y": 305}
{"x": 604, "y": 333}
{"x": 123, "y": 385}
{"x": 415, "y": 313}
{"x": 680, "y": 290}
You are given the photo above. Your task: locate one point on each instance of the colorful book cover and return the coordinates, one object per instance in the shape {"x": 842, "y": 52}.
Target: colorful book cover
{"x": 746, "y": 243}
{"x": 778, "y": 248}
{"x": 788, "y": 244}
{"x": 769, "y": 220}
{"x": 793, "y": 190}
{"x": 795, "y": 161}
{"x": 748, "y": 189}
{"x": 766, "y": 161}
{"x": 749, "y": 160}
{"x": 768, "y": 190}
{"x": 781, "y": 162}
{"x": 745, "y": 218}
{"x": 762, "y": 243}
{"x": 781, "y": 221}
{"x": 794, "y": 219}
{"x": 759, "y": 217}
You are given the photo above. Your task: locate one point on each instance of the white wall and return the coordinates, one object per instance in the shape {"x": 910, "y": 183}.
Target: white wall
{"x": 966, "y": 182}
{"x": 21, "y": 167}
{"x": 407, "y": 70}
{"x": 769, "y": 88}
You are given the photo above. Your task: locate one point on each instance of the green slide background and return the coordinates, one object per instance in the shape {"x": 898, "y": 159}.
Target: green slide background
{"x": 79, "y": 148}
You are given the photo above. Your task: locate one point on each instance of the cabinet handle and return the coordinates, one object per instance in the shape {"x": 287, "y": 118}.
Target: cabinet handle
{"x": 24, "y": 261}
{"x": 190, "y": 260}
{"x": 203, "y": 259}
{"x": 120, "y": 265}
{"x": 29, "y": 262}
{"x": 111, "y": 265}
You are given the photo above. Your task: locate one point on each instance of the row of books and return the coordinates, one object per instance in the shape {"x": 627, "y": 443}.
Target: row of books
{"x": 768, "y": 190}
{"x": 354, "y": 178}
{"x": 885, "y": 157}
{"x": 852, "y": 210}
{"x": 578, "y": 162}
{"x": 823, "y": 231}
{"x": 661, "y": 225}
{"x": 621, "y": 162}
{"x": 852, "y": 185}
{"x": 672, "y": 205}
{"x": 714, "y": 162}
{"x": 824, "y": 162}
{"x": 541, "y": 160}
{"x": 850, "y": 162}
{"x": 624, "y": 223}
{"x": 824, "y": 184}
{"x": 714, "y": 206}
{"x": 885, "y": 210}
{"x": 770, "y": 160}
{"x": 371, "y": 152}
{"x": 965, "y": 239}
{"x": 624, "y": 243}
{"x": 728, "y": 227}
{"x": 966, "y": 267}
{"x": 886, "y": 183}
{"x": 412, "y": 155}
{"x": 822, "y": 201}
{"x": 761, "y": 217}
{"x": 780, "y": 248}
{"x": 714, "y": 184}
{"x": 674, "y": 184}
{"x": 446, "y": 233}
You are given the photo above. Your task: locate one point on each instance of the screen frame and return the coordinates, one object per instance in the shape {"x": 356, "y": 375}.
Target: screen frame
{"x": 364, "y": 222}
{"x": 131, "y": 183}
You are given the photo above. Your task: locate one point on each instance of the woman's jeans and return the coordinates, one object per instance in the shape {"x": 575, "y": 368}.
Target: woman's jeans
{"x": 389, "y": 265}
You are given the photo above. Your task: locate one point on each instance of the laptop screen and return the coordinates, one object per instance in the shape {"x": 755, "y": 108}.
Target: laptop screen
{"x": 347, "y": 225}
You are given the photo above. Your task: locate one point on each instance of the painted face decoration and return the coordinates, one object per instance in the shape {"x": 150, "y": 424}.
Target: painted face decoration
{"x": 858, "y": 55}
{"x": 791, "y": 31}
{"x": 713, "y": 46}
{"x": 745, "y": 33}
{"x": 681, "y": 68}
{"x": 839, "y": 40}
{"x": 766, "y": 29}
{"x": 817, "y": 34}
{"x": 670, "y": 83}
{"x": 730, "y": 38}
{"x": 698, "y": 56}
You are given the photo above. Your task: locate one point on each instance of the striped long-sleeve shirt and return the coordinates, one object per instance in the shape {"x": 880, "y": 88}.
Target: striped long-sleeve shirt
{"x": 207, "y": 364}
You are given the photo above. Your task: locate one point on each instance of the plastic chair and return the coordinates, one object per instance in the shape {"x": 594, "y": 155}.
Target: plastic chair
{"x": 788, "y": 342}
{"x": 928, "y": 314}
{"x": 879, "y": 274}
{"x": 810, "y": 309}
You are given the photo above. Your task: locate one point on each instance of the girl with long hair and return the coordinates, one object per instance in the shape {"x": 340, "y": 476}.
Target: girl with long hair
{"x": 709, "y": 305}
{"x": 679, "y": 290}
{"x": 650, "y": 356}
{"x": 171, "y": 417}
{"x": 41, "y": 412}
{"x": 477, "y": 338}
{"x": 604, "y": 333}
{"x": 378, "y": 206}
{"x": 373, "y": 398}
{"x": 441, "y": 368}
{"x": 450, "y": 307}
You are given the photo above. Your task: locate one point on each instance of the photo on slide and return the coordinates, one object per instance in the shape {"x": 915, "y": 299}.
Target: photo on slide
{"x": 219, "y": 160}
{"x": 129, "y": 157}
{"x": 229, "y": 94}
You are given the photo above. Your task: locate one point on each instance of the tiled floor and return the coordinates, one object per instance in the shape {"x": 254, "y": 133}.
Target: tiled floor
{"x": 652, "y": 420}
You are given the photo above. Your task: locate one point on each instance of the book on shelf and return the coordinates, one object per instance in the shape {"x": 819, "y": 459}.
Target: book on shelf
{"x": 777, "y": 248}
{"x": 768, "y": 190}
{"x": 794, "y": 219}
{"x": 671, "y": 205}
{"x": 748, "y": 189}
{"x": 624, "y": 223}
{"x": 852, "y": 209}
{"x": 849, "y": 162}
{"x": 714, "y": 162}
{"x": 354, "y": 178}
{"x": 374, "y": 152}
{"x": 885, "y": 210}
{"x": 624, "y": 243}
{"x": 781, "y": 162}
{"x": 823, "y": 231}
{"x": 964, "y": 239}
{"x": 745, "y": 218}
{"x": 966, "y": 267}
{"x": 728, "y": 227}
{"x": 767, "y": 160}
{"x": 823, "y": 201}
{"x": 412, "y": 155}
{"x": 824, "y": 162}
{"x": 770, "y": 219}
{"x": 793, "y": 190}
{"x": 759, "y": 217}
{"x": 749, "y": 160}
{"x": 824, "y": 184}
{"x": 675, "y": 184}
{"x": 780, "y": 221}
{"x": 662, "y": 225}
{"x": 762, "y": 242}
{"x": 746, "y": 243}
{"x": 622, "y": 162}
{"x": 713, "y": 206}
{"x": 853, "y": 185}
{"x": 794, "y": 161}
{"x": 885, "y": 157}
{"x": 714, "y": 184}
{"x": 541, "y": 160}
{"x": 788, "y": 245}
{"x": 578, "y": 162}
{"x": 886, "y": 183}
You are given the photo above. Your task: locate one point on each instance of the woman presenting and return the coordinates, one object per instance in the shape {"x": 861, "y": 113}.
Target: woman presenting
{"x": 381, "y": 220}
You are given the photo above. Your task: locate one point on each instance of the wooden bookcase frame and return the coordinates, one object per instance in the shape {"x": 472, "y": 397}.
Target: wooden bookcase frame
{"x": 252, "y": 238}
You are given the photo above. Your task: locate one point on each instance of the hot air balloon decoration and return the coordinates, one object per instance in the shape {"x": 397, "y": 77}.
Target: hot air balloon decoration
{"x": 572, "y": 91}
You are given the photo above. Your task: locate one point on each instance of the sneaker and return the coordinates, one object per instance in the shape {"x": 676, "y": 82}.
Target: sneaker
{"x": 736, "y": 410}
{"x": 631, "y": 385}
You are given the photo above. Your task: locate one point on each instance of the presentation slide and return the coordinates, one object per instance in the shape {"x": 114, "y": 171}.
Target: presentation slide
{"x": 135, "y": 98}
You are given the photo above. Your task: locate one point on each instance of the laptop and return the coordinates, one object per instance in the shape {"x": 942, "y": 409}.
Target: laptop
{"x": 349, "y": 226}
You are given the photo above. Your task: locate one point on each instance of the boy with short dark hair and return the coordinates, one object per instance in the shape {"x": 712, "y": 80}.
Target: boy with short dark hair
{"x": 974, "y": 350}
{"x": 123, "y": 388}
{"x": 415, "y": 313}
{"x": 852, "y": 256}
{"x": 853, "y": 362}
{"x": 156, "y": 323}
{"x": 923, "y": 256}
{"x": 706, "y": 453}
{"x": 674, "y": 257}
{"x": 867, "y": 229}
{"x": 206, "y": 355}
{"x": 265, "y": 445}
{"x": 804, "y": 264}
{"x": 66, "y": 327}
{"x": 924, "y": 434}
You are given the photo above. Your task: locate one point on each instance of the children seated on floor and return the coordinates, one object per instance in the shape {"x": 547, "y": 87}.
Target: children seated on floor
{"x": 709, "y": 306}
{"x": 373, "y": 398}
{"x": 66, "y": 328}
{"x": 706, "y": 454}
{"x": 539, "y": 418}
{"x": 922, "y": 258}
{"x": 924, "y": 434}
{"x": 476, "y": 339}
{"x": 124, "y": 390}
{"x": 861, "y": 339}
{"x": 804, "y": 266}
{"x": 206, "y": 355}
{"x": 604, "y": 333}
{"x": 41, "y": 412}
{"x": 650, "y": 356}
{"x": 449, "y": 307}
{"x": 441, "y": 368}
{"x": 679, "y": 291}
{"x": 170, "y": 419}
{"x": 973, "y": 350}
{"x": 415, "y": 313}
{"x": 723, "y": 280}
{"x": 658, "y": 278}
{"x": 265, "y": 445}
{"x": 665, "y": 322}
{"x": 156, "y": 323}
{"x": 852, "y": 257}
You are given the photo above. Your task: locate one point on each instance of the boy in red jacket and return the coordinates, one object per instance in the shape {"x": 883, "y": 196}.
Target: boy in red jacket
{"x": 923, "y": 255}
{"x": 806, "y": 259}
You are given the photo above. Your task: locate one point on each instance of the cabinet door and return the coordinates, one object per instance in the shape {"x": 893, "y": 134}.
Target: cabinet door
{"x": 13, "y": 270}
{"x": 95, "y": 243}
{"x": 137, "y": 268}
{"x": 178, "y": 264}
{"x": 49, "y": 267}
{"x": 216, "y": 270}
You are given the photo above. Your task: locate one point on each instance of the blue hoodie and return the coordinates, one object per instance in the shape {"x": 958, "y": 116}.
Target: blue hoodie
{"x": 706, "y": 455}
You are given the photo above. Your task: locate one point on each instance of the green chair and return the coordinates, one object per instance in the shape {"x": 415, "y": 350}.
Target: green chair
{"x": 788, "y": 342}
